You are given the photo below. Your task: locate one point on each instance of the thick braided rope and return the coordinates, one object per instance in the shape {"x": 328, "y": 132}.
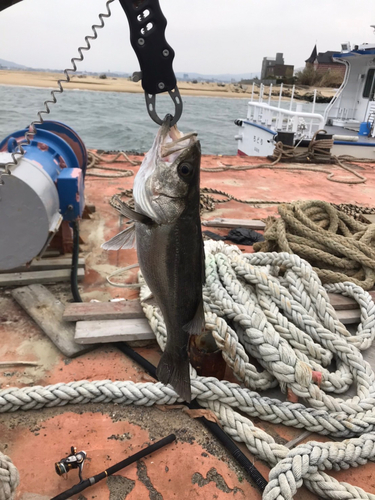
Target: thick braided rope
{"x": 339, "y": 247}
{"x": 351, "y": 453}
{"x": 305, "y": 461}
{"x": 284, "y": 363}
{"x": 9, "y": 478}
{"x": 268, "y": 450}
{"x": 299, "y": 295}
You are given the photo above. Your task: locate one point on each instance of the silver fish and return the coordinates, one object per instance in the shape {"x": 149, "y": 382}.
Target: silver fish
{"x": 169, "y": 244}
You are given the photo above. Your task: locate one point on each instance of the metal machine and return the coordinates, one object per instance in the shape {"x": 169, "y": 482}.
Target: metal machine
{"x": 44, "y": 188}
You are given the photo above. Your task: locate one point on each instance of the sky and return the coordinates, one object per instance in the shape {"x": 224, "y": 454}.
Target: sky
{"x": 208, "y": 36}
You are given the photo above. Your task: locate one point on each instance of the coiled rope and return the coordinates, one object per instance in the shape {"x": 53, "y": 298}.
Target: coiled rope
{"x": 95, "y": 161}
{"x": 272, "y": 307}
{"x": 339, "y": 247}
{"x": 317, "y": 151}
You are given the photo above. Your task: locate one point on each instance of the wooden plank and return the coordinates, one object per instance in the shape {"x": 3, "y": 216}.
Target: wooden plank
{"x": 341, "y": 303}
{"x": 220, "y": 222}
{"x": 46, "y": 265}
{"x": 85, "y": 311}
{"x": 369, "y": 217}
{"x": 304, "y": 435}
{"x": 46, "y": 310}
{"x": 51, "y": 253}
{"x": 116, "y": 330}
{"x": 53, "y": 276}
{"x": 349, "y": 317}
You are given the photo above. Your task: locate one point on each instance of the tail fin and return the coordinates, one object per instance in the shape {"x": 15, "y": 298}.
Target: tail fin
{"x": 175, "y": 371}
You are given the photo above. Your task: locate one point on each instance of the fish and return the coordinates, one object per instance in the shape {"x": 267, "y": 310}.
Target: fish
{"x": 168, "y": 237}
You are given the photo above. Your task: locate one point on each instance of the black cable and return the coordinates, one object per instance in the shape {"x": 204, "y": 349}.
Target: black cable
{"x": 86, "y": 483}
{"x": 75, "y": 257}
{"x": 236, "y": 453}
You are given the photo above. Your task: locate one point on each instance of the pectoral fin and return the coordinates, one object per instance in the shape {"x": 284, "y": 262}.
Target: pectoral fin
{"x": 128, "y": 212}
{"x": 125, "y": 239}
{"x": 194, "y": 327}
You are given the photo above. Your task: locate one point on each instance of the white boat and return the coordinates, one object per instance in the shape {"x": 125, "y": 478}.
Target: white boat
{"x": 349, "y": 117}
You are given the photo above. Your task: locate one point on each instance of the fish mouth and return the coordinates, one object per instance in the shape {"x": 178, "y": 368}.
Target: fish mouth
{"x": 172, "y": 142}
{"x": 175, "y": 146}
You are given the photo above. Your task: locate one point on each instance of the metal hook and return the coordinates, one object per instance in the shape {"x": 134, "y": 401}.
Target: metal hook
{"x": 151, "y": 106}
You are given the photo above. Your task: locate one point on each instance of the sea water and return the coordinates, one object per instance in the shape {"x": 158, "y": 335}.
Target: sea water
{"x": 119, "y": 120}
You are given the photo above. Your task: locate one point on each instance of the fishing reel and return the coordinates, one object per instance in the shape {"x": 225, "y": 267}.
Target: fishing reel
{"x": 73, "y": 461}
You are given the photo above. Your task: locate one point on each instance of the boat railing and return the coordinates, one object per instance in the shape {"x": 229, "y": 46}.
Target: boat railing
{"x": 279, "y": 119}
{"x": 333, "y": 104}
{"x": 284, "y": 94}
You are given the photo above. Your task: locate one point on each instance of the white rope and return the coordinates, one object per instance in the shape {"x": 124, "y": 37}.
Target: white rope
{"x": 9, "y": 478}
{"x": 282, "y": 317}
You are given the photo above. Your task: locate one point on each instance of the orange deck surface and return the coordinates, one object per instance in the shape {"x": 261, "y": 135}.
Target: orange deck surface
{"x": 196, "y": 466}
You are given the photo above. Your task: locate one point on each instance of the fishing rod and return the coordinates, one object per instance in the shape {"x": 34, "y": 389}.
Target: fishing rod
{"x": 216, "y": 430}
{"x": 61, "y": 467}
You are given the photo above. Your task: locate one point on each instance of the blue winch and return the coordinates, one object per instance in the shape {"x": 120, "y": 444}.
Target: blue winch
{"x": 45, "y": 187}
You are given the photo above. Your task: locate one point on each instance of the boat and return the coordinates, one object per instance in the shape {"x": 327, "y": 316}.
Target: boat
{"x": 38, "y": 380}
{"x": 349, "y": 118}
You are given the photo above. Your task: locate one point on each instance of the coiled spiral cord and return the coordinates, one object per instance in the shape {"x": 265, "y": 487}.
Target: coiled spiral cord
{"x": 19, "y": 152}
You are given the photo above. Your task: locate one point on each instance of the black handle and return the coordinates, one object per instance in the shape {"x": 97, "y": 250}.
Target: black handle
{"x": 147, "y": 36}
{"x": 74, "y": 490}
{"x": 141, "y": 454}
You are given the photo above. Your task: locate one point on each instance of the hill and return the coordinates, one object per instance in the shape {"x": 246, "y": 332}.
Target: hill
{"x": 11, "y": 65}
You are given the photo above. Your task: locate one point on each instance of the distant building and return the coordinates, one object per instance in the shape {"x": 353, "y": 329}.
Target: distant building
{"x": 273, "y": 68}
{"x": 323, "y": 62}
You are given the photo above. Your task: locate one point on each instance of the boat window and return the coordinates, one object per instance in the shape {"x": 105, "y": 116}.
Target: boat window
{"x": 368, "y": 88}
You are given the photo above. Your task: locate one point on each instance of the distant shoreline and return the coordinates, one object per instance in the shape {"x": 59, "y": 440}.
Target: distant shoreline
{"x": 118, "y": 84}
{"x": 110, "y": 84}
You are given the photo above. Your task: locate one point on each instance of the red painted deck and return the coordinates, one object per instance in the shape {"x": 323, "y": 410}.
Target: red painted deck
{"x": 196, "y": 466}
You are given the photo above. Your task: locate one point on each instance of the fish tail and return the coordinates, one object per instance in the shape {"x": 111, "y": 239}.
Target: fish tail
{"x": 175, "y": 370}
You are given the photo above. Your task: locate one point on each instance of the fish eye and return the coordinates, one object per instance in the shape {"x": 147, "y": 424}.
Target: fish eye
{"x": 185, "y": 169}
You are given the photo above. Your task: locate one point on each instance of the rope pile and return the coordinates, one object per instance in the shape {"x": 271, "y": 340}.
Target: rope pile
{"x": 318, "y": 151}
{"x": 272, "y": 307}
{"x": 95, "y": 160}
{"x": 207, "y": 201}
{"x": 339, "y": 247}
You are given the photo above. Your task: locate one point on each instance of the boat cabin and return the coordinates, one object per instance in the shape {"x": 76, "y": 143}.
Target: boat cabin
{"x": 354, "y": 102}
